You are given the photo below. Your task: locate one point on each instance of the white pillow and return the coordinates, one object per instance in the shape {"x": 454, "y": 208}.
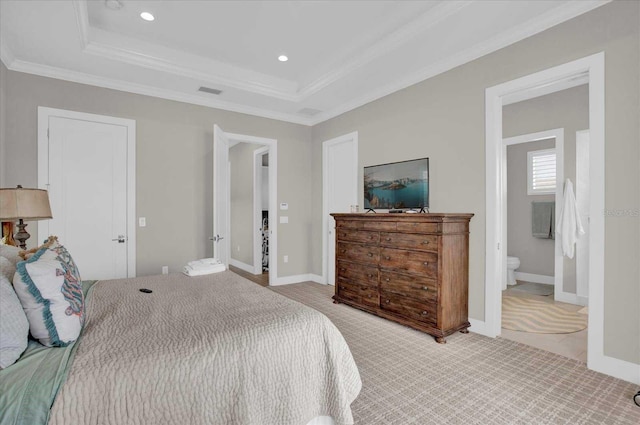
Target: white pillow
{"x": 14, "y": 327}
{"x": 10, "y": 252}
{"x": 7, "y": 268}
{"x": 50, "y": 290}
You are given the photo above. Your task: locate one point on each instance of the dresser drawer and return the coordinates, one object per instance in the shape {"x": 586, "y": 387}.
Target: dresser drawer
{"x": 357, "y": 252}
{"x": 419, "y": 288}
{"x": 417, "y": 227}
{"x": 364, "y": 274}
{"x": 408, "y": 307}
{"x": 410, "y": 241}
{"x": 387, "y": 226}
{"x": 358, "y": 293}
{"x": 346, "y": 234}
{"x": 422, "y": 263}
{"x": 348, "y": 224}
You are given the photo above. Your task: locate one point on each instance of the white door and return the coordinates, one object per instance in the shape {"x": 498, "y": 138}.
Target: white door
{"x": 340, "y": 191}
{"x": 87, "y": 179}
{"x": 220, "y": 195}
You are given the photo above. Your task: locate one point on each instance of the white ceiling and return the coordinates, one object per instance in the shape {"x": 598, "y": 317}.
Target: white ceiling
{"x": 342, "y": 54}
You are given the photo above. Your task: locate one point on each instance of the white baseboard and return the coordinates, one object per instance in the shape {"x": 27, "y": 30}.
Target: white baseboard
{"x": 584, "y": 301}
{"x": 617, "y": 368}
{"x": 479, "y": 327}
{"x": 317, "y": 278}
{"x": 242, "y": 266}
{"x": 288, "y": 280}
{"x": 537, "y": 278}
{"x": 566, "y": 297}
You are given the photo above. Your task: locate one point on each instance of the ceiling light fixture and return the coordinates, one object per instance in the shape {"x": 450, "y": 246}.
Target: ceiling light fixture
{"x": 283, "y": 58}
{"x": 147, "y": 16}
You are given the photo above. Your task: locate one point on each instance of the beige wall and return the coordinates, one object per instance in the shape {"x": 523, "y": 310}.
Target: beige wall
{"x": 536, "y": 255}
{"x": 568, "y": 109}
{"x": 443, "y": 118}
{"x": 241, "y": 160}
{"x": 174, "y": 165}
{"x": 3, "y": 113}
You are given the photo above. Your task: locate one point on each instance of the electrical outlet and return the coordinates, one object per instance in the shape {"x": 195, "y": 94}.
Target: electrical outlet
{"x": 286, "y": 258}
{"x": 142, "y": 222}
{"x": 165, "y": 269}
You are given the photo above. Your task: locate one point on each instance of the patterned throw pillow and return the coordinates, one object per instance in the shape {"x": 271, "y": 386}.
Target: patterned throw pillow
{"x": 14, "y": 328}
{"x": 11, "y": 253}
{"x": 50, "y": 290}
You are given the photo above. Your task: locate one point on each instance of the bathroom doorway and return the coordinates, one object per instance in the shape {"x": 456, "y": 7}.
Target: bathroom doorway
{"x": 540, "y": 304}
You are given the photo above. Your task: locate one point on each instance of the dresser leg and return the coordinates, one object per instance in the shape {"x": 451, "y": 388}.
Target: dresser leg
{"x": 465, "y": 331}
{"x": 441, "y": 340}
{"x": 336, "y": 302}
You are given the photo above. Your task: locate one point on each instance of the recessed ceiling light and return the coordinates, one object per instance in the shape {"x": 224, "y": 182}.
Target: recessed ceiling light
{"x": 283, "y": 58}
{"x": 147, "y": 16}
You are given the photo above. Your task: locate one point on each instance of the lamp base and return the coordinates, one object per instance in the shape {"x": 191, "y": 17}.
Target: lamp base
{"x": 22, "y": 234}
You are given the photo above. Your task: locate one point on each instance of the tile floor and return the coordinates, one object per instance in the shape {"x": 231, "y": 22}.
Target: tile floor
{"x": 573, "y": 345}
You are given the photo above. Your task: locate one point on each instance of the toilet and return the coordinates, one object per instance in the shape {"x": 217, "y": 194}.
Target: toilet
{"x": 512, "y": 265}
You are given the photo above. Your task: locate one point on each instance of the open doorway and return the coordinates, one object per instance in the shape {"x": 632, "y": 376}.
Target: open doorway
{"x": 239, "y": 201}
{"x": 591, "y": 70}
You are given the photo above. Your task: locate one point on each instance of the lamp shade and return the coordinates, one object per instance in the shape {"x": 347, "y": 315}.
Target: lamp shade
{"x": 26, "y": 204}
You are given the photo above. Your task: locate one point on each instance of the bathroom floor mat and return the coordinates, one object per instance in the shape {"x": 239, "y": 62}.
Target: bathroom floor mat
{"x": 526, "y": 315}
{"x": 534, "y": 288}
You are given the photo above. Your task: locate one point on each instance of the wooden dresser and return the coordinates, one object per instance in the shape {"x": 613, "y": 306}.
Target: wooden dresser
{"x": 409, "y": 268}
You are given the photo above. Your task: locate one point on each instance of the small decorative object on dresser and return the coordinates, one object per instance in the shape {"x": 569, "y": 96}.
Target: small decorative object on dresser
{"x": 409, "y": 268}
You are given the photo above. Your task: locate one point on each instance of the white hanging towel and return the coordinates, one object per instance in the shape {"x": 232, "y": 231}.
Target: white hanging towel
{"x": 569, "y": 227}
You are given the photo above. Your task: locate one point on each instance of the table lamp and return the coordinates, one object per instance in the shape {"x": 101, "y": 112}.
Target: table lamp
{"x": 24, "y": 204}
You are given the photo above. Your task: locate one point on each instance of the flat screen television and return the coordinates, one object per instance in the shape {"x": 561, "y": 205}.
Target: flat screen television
{"x": 397, "y": 185}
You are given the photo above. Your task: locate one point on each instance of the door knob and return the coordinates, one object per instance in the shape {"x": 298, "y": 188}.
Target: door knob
{"x": 120, "y": 239}
{"x": 216, "y": 238}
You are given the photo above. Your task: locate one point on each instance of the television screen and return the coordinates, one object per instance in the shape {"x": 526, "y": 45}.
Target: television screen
{"x": 397, "y": 185}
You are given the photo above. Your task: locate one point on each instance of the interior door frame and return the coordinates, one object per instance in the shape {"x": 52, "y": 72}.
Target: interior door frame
{"x": 593, "y": 67}
{"x": 272, "y": 144}
{"x": 346, "y": 138}
{"x": 44, "y": 115}
{"x": 558, "y": 135}
{"x": 257, "y": 209}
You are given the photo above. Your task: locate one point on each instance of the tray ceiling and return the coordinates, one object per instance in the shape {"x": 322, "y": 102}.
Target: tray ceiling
{"x": 341, "y": 54}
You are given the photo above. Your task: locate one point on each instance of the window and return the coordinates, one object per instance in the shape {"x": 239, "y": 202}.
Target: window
{"x": 541, "y": 170}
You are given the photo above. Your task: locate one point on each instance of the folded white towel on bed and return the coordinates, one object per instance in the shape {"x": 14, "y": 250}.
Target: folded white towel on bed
{"x": 203, "y": 267}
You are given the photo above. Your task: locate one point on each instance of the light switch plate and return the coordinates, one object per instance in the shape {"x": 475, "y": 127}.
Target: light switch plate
{"x": 142, "y": 221}
{"x": 284, "y": 206}
{"x": 284, "y": 219}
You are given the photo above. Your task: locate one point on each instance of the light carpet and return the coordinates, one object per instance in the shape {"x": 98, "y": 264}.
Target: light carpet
{"x": 527, "y": 315}
{"x": 410, "y": 379}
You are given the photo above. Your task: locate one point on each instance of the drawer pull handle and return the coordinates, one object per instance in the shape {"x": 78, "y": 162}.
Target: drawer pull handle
{"x": 425, "y": 288}
{"x": 388, "y": 280}
{"x": 369, "y": 296}
{"x": 370, "y": 254}
{"x": 387, "y": 258}
{"x": 388, "y": 239}
{"x": 342, "y": 287}
{"x": 369, "y": 275}
{"x": 370, "y": 236}
{"x": 343, "y": 250}
{"x": 426, "y": 263}
{"x": 425, "y": 243}
{"x": 388, "y": 301}
{"x": 424, "y": 313}
{"x": 343, "y": 270}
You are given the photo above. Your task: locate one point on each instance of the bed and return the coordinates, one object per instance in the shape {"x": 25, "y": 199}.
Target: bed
{"x": 214, "y": 349}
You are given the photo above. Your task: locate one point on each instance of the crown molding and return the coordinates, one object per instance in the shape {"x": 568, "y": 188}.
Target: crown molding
{"x": 533, "y": 26}
{"x": 114, "y": 84}
{"x": 6, "y": 55}
{"x": 386, "y": 45}
{"x": 196, "y": 67}
{"x": 82, "y": 20}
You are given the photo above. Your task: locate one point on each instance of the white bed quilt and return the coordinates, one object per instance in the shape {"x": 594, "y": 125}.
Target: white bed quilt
{"x": 214, "y": 349}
